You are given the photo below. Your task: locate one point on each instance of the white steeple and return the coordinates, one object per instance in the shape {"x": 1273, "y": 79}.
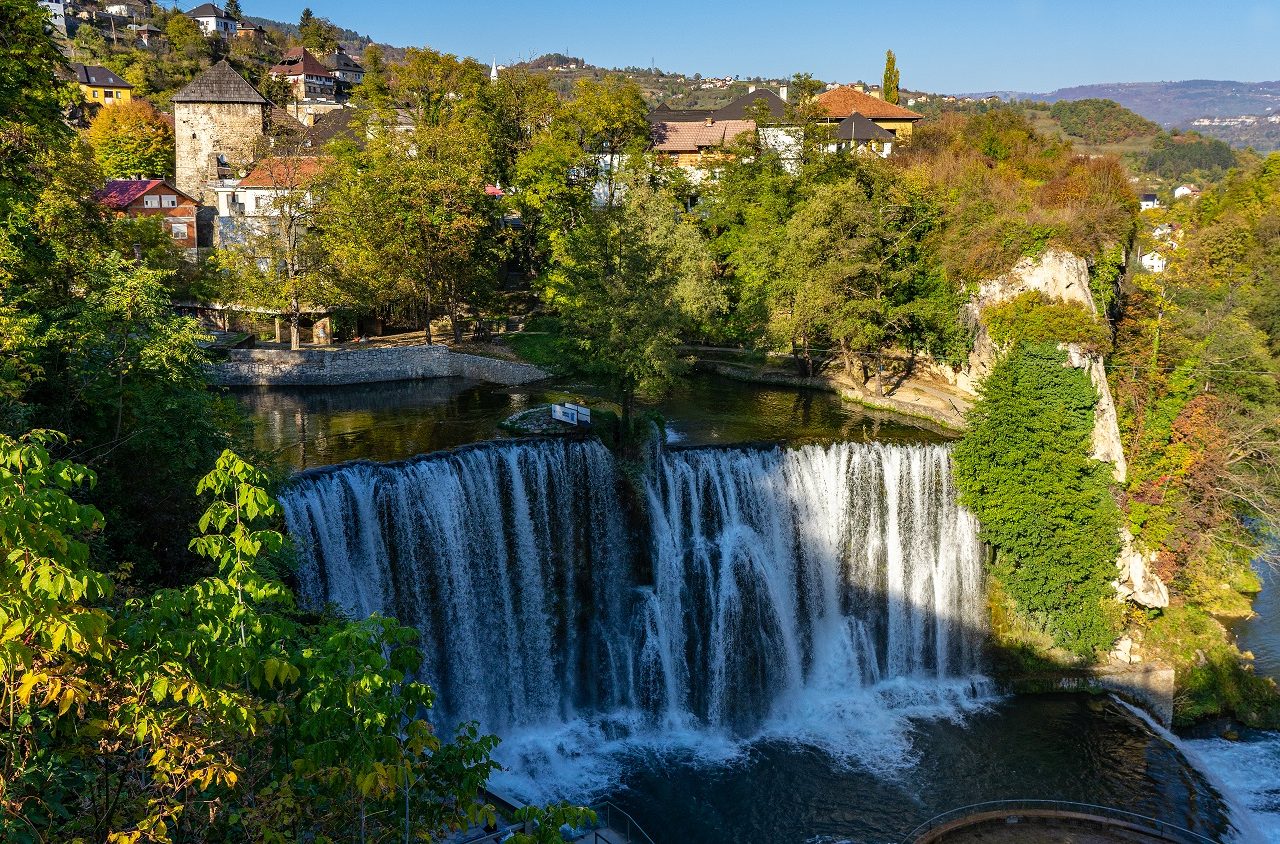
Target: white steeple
{"x": 493, "y": 73}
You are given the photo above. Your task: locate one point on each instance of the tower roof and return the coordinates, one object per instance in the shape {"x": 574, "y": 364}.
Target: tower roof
{"x": 220, "y": 84}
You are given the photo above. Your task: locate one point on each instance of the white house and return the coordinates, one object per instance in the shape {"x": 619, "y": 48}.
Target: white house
{"x": 1154, "y": 262}
{"x": 213, "y": 21}
{"x": 1148, "y": 202}
{"x": 1185, "y": 190}
{"x": 57, "y": 14}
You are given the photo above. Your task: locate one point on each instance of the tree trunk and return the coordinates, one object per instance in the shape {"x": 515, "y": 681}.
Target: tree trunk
{"x": 879, "y": 372}
{"x": 279, "y": 328}
{"x": 428, "y": 320}
{"x": 455, "y": 325}
{"x": 295, "y": 316}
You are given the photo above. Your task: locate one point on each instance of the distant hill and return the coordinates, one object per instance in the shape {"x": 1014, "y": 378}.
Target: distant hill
{"x": 1206, "y": 105}
{"x": 1171, "y": 104}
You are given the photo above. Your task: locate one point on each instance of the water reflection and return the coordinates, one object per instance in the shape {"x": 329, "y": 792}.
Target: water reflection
{"x": 309, "y": 427}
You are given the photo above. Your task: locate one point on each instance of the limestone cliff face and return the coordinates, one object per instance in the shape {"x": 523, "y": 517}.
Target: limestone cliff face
{"x": 1059, "y": 274}
{"x": 1056, "y": 274}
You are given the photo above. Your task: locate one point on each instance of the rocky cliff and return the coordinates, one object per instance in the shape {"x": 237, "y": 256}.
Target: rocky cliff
{"x": 1058, "y": 274}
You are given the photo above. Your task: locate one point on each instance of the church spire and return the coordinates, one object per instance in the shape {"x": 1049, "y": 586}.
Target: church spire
{"x": 493, "y": 72}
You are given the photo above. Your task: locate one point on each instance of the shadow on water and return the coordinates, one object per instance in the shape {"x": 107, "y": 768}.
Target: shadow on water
{"x": 772, "y": 645}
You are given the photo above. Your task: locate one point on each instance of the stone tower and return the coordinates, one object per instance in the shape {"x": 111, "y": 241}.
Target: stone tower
{"x": 220, "y": 123}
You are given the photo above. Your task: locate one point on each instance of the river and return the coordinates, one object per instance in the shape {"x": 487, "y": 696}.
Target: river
{"x": 773, "y": 645}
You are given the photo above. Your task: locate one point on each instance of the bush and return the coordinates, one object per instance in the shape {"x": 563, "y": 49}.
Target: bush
{"x": 1032, "y": 317}
{"x": 1045, "y": 505}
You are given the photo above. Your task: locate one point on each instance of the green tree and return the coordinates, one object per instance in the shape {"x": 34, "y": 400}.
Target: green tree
{"x": 415, "y": 223}
{"x": 891, "y": 78}
{"x": 232, "y": 8}
{"x": 132, "y": 140}
{"x": 1023, "y": 467}
{"x": 318, "y": 35}
{"x": 616, "y": 280}
{"x": 859, "y": 272}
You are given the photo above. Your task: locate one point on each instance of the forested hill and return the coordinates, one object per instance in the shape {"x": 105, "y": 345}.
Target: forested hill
{"x": 1172, "y": 103}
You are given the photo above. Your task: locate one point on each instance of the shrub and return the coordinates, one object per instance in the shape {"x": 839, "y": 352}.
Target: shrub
{"x": 1032, "y": 317}
{"x": 1100, "y": 121}
{"x": 1045, "y": 505}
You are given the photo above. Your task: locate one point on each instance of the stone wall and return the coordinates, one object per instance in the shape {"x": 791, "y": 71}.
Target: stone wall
{"x": 319, "y": 368}
{"x": 203, "y": 131}
{"x": 1149, "y": 687}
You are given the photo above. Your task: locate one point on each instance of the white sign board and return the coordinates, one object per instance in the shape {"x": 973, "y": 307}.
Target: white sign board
{"x": 584, "y": 413}
{"x": 564, "y": 414}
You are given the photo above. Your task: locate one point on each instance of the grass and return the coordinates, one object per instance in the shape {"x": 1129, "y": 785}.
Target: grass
{"x": 543, "y": 344}
{"x": 1212, "y": 679}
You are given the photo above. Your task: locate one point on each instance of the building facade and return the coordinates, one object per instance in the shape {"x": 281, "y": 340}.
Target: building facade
{"x": 156, "y": 198}
{"x": 220, "y": 127}
{"x": 214, "y": 21}
{"x": 100, "y": 86}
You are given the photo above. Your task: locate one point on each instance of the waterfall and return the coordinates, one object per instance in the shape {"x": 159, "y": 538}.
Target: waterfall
{"x": 820, "y": 593}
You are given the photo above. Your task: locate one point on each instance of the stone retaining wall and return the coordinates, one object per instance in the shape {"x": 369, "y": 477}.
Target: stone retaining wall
{"x": 327, "y": 368}
{"x": 1149, "y": 686}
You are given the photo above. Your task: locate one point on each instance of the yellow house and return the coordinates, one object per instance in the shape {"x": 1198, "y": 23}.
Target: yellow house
{"x": 100, "y": 86}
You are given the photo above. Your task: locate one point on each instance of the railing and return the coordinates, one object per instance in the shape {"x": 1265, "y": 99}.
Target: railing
{"x": 964, "y": 816}
{"x": 609, "y": 818}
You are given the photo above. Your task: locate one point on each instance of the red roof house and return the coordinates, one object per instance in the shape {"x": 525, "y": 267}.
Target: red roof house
{"x": 154, "y": 198}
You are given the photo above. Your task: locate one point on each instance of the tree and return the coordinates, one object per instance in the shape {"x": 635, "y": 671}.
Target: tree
{"x": 232, "y": 8}
{"x": 186, "y": 37}
{"x": 616, "y": 280}
{"x": 1023, "y": 467}
{"x": 318, "y": 35}
{"x": 132, "y": 141}
{"x": 858, "y": 270}
{"x": 414, "y": 221}
{"x": 891, "y": 78}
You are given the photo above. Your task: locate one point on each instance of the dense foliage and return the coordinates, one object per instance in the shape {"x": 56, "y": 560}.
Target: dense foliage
{"x": 210, "y": 712}
{"x": 1010, "y": 192}
{"x": 1098, "y": 121}
{"x": 1189, "y": 156}
{"x": 1044, "y": 503}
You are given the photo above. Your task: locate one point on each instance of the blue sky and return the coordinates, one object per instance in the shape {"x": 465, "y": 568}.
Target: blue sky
{"x": 962, "y": 45}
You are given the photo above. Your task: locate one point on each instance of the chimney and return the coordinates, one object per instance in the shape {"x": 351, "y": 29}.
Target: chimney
{"x": 708, "y": 122}
{"x": 782, "y": 93}
{"x": 877, "y": 92}
{"x": 751, "y": 89}
{"x": 860, "y": 87}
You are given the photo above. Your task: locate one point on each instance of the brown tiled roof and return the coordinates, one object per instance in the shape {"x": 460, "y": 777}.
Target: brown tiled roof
{"x": 844, "y": 101}
{"x": 694, "y": 136}
{"x": 289, "y": 171}
{"x": 299, "y": 61}
{"x": 119, "y": 194}
{"x": 220, "y": 84}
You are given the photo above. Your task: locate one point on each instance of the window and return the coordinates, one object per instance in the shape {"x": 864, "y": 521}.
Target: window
{"x": 106, "y": 95}
{"x": 168, "y": 200}
{"x": 95, "y": 93}
{"x": 179, "y": 231}
{"x": 150, "y": 202}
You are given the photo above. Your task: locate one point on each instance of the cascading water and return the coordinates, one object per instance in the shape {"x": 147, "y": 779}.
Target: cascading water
{"x": 819, "y": 594}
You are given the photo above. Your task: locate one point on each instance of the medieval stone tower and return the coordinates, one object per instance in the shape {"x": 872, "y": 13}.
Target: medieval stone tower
{"x": 220, "y": 123}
